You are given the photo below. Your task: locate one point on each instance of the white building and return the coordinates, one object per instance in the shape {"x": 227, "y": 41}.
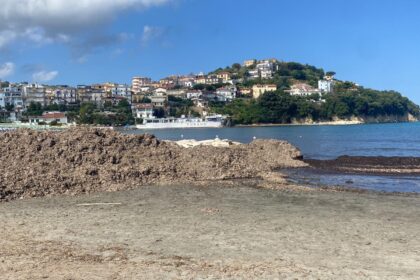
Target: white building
{"x": 176, "y": 92}
{"x": 326, "y": 86}
{"x": 303, "y": 89}
{"x": 254, "y": 74}
{"x": 121, "y": 90}
{"x": 49, "y": 117}
{"x": 265, "y": 68}
{"x": 226, "y": 93}
{"x": 144, "y": 111}
{"x": 193, "y": 94}
{"x": 60, "y": 95}
{"x": 138, "y": 82}
{"x": 213, "y": 80}
{"x": 11, "y": 95}
{"x": 159, "y": 101}
{"x": 159, "y": 92}
{"x": 187, "y": 82}
{"x": 35, "y": 93}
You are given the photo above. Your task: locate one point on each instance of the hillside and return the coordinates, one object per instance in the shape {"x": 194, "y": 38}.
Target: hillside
{"x": 347, "y": 100}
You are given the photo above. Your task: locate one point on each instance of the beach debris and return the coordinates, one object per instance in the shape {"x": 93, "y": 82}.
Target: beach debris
{"x": 190, "y": 143}
{"x": 99, "y": 204}
{"x": 210, "y": 211}
{"x": 87, "y": 160}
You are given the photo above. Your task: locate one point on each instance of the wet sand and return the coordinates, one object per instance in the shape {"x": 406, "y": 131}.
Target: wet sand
{"x": 212, "y": 233}
{"x": 369, "y": 165}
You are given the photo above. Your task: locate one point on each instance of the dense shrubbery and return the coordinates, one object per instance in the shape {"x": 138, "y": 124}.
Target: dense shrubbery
{"x": 115, "y": 115}
{"x": 284, "y": 75}
{"x": 179, "y": 106}
{"x": 89, "y": 113}
{"x": 280, "y": 107}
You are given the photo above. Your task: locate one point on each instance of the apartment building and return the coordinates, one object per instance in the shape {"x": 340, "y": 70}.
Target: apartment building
{"x": 138, "y": 82}
{"x": 258, "y": 90}
{"x": 34, "y": 93}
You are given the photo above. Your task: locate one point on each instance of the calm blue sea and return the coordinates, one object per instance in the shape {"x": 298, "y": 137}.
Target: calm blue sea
{"x": 318, "y": 142}
{"x": 328, "y": 142}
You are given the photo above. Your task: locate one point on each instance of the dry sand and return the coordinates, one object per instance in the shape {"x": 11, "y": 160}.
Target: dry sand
{"x": 211, "y": 233}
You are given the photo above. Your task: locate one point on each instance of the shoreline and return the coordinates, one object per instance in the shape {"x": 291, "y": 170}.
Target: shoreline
{"x": 326, "y": 123}
{"x": 332, "y": 123}
{"x": 87, "y": 160}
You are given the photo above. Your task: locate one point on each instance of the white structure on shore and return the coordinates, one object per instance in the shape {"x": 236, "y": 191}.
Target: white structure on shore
{"x": 302, "y": 89}
{"x": 326, "y": 86}
{"x": 212, "y": 121}
{"x": 49, "y": 117}
{"x": 144, "y": 111}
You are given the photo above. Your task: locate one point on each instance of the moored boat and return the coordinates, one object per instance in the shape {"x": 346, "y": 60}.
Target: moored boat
{"x": 213, "y": 121}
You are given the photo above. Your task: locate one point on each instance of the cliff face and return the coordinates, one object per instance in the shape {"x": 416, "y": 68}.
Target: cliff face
{"x": 359, "y": 120}
{"x": 390, "y": 119}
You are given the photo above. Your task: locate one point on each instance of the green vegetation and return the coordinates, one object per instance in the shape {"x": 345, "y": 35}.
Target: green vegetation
{"x": 348, "y": 99}
{"x": 208, "y": 87}
{"x": 4, "y": 84}
{"x": 36, "y": 109}
{"x": 89, "y": 113}
{"x": 112, "y": 115}
{"x": 285, "y": 74}
{"x": 180, "y": 106}
{"x": 281, "y": 107}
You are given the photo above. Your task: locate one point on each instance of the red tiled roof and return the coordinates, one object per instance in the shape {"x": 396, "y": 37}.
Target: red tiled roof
{"x": 53, "y": 115}
{"x": 144, "y": 106}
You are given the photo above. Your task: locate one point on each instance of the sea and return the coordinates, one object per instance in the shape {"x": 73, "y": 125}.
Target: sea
{"x": 327, "y": 142}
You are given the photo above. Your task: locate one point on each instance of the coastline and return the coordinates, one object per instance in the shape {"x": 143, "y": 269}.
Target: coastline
{"x": 332, "y": 123}
{"x": 338, "y": 122}
{"x": 327, "y": 123}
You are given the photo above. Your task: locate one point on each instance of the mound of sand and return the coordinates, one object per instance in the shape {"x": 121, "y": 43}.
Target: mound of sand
{"x": 83, "y": 160}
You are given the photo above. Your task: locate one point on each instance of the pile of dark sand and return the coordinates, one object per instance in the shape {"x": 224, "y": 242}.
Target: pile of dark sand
{"x": 83, "y": 160}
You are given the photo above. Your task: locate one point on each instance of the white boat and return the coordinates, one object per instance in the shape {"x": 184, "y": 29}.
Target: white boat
{"x": 213, "y": 121}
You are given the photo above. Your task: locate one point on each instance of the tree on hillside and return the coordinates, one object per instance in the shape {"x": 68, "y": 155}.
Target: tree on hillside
{"x": 278, "y": 107}
{"x": 34, "y": 109}
{"x": 86, "y": 113}
{"x": 236, "y": 66}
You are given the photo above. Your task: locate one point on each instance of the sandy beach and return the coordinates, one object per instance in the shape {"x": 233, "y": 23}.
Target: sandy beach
{"x": 97, "y": 204}
{"x": 188, "y": 232}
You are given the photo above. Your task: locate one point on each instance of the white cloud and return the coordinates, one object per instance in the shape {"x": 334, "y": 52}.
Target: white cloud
{"x": 152, "y": 33}
{"x": 6, "y": 37}
{"x": 44, "y": 76}
{"x": 46, "y": 21}
{"x": 6, "y": 69}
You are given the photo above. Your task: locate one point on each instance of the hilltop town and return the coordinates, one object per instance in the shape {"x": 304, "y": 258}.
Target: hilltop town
{"x": 250, "y": 92}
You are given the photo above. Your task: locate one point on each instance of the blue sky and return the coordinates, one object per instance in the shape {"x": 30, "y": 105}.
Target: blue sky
{"x": 374, "y": 43}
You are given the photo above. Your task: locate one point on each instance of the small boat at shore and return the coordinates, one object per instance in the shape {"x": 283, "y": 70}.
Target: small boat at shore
{"x": 213, "y": 121}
